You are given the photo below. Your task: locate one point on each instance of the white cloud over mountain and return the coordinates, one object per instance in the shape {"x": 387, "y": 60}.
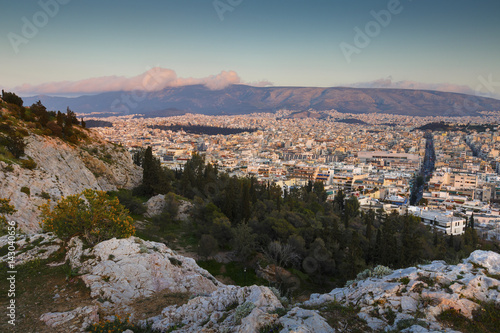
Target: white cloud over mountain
{"x": 388, "y": 82}
{"x": 156, "y": 78}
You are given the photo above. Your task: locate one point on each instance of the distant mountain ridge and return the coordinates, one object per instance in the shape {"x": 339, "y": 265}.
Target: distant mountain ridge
{"x": 242, "y": 99}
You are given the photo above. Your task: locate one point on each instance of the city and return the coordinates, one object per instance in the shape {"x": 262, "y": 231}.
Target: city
{"x": 377, "y": 158}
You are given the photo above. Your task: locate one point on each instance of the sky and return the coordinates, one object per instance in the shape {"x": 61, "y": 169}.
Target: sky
{"x": 87, "y": 46}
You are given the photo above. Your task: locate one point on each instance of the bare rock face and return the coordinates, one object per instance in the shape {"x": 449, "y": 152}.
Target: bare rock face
{"x": 422, "y": 293}
{"x": 87, "y": 315}
{"x": 63, "y": 169}
{"x": 122, "y": 270}
{"x": 230, "y": 309}
{"x": 155, "y": 205}
{"x": 25, "y": 250}
{"x": 306, "y": 321}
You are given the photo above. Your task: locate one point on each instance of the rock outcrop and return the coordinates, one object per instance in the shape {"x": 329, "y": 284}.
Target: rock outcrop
{"x": 420, "y": 294}
{"x": 122, "y": 273}
{"x": 63, "y": 169}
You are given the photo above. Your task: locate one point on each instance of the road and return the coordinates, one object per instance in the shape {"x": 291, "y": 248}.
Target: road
{"x": 425, "y": 171}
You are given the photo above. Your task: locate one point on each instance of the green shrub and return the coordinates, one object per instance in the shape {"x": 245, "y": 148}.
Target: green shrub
{"x": 45, "y": 195}
{"x": 26, "y": 190}
{"x": 8, "y": 168}
{"x": 242, "y": 311}
{"x": 96, "y": 216}
{"x": 28, "y": 164}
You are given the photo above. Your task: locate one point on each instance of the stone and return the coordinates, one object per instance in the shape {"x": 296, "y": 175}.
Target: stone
{"x": 46, "y": 245}
{"x": 299, "y": 320}
{"x": 488, "y": 259}
{"x": 87, "y": 315}
{"x": 256, "y": 320}
{"x": 155, "y": 205}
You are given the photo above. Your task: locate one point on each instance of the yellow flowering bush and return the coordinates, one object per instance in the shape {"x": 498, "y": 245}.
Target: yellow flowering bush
{"x": 92, "y": 214}
{"x": 5, "y": 208}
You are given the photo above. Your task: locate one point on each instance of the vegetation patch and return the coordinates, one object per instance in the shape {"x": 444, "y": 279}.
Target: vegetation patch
{"x": 486, "y": 319}
{"x": 340, "y": 316}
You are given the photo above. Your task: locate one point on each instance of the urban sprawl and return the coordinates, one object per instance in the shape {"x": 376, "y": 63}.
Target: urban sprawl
{"x": 388, "y": 162}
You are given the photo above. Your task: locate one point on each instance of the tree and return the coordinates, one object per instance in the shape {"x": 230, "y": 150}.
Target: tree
{"x": 71, "y": 118}
{"x": 338, "y": 200}
{"x": 208, "y": 246}
{"x": 150, "y": 175}
{"x": 352, "y": 207}
{"x": 91, "y": 214}
{"x": 12, "y": 98}
{"x": 55, "y": 128}
{"x": 281, "y": 254}
{"x": 60, "y": 119}
{"x": 138, "y": 156}
{"x": 39, "y": 110}
{"x": 319, "y": 190}
{"x": 243, "y": 241}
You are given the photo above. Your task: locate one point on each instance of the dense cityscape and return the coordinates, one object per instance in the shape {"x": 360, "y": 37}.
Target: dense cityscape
{"x": 380, "y": 159}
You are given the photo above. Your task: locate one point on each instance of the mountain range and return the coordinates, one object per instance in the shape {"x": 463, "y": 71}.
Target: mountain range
{"x": 242, "y": 99}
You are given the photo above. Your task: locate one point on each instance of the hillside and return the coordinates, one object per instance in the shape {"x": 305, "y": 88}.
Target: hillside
{"x": 37, "y": 165}
{"x": 165, "y": 292}
{"x": 241, "y": 99}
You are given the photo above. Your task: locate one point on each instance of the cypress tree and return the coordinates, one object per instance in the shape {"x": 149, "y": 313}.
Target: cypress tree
{"x": 150, "y": 175}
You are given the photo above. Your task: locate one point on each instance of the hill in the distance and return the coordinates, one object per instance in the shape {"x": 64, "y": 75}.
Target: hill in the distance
{"x": 241, "y": 99}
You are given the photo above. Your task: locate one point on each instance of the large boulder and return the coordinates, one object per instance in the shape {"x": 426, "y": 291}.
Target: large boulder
{"x": 122, "y": 270}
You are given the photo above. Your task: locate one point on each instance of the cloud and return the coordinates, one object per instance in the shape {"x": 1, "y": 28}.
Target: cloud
{"x": 155, "y": 79}
{"x": 389, "y": 83}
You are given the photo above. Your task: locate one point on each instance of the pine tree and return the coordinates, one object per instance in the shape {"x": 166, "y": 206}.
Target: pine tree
{"x": 60, "y": 119}
{"x": 150, "y": 175}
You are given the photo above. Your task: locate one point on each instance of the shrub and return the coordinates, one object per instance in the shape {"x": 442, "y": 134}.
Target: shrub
{"x": 5, "y": 208}
{"x": 243, "y": 310}
{"x": 26, "y": 190}
{"x": 8, "y": 168}
{"x": 28, "y": 164}
{"x": 133, "y": 204}
{"x": 45, "y": 195}
{"x": 14, "y": 144}
{"x": 92, "y": 214}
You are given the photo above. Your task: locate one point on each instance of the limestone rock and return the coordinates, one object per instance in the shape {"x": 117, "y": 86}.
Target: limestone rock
{"x": 256, "y": 320}
{"x": 155, "y": 205}
{"x": 121, "y": 270}
{"x": 87, "y": 315}
{"x": 299, "y": 320}
{"x": 198, "y": 312}
{"x": 62, "y": 170}
{"x": 428, "y": 290}
{"x": 39, "y": 246}
{"x": 489, "y": 260}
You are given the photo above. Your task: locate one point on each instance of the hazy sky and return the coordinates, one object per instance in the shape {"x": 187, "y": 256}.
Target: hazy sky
{"x": 286, "y": 42}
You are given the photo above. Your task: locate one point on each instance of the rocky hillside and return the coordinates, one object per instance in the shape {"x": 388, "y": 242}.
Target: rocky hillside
{"x": 63, "y": 169}
{"x": 140, "y": 278}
